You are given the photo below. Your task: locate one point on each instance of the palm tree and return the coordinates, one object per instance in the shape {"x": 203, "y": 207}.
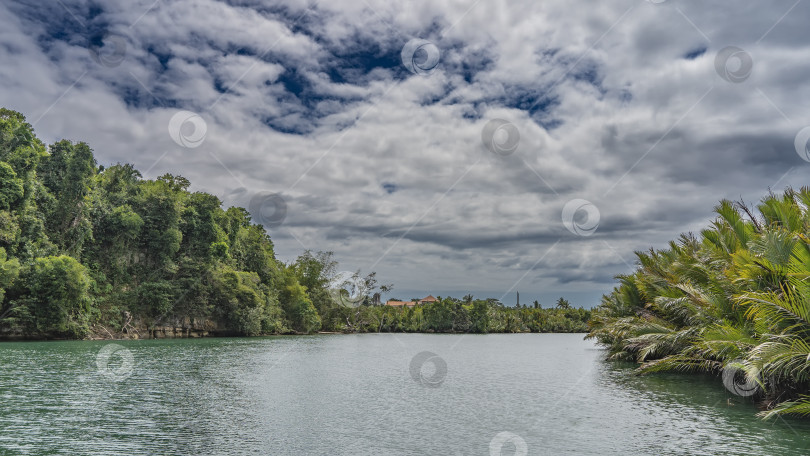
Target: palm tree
{"x": 736, "y": 296}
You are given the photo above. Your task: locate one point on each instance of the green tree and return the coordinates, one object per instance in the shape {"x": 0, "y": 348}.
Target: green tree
{"x": 242, "y": 303}
{"x": 9, "y": 271}
{"x": 159, "y": 204}
{"x": 57, "y": 297}
{"x": 68, "y": 172}
{"x": 11, "y": 187}
{"x": 439, "y": 315}
{"x": 297, "y": 306}
{"x": 479, "y": 316}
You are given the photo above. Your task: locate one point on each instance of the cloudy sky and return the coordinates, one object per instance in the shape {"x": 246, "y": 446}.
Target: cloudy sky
{"x": 451, "y": 146}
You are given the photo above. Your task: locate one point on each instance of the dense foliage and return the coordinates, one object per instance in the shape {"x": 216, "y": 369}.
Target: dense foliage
{"x": 92, "y": 251}
{"x": 736, "y": 297}
{"x": 459, "y": 315}
{"x": 86, "y": 249}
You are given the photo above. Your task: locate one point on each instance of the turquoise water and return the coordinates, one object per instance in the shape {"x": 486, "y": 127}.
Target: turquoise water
{"x": 360, "y": 394}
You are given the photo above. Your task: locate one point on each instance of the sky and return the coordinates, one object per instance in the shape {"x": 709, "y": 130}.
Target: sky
{"x": 455, "y": 146}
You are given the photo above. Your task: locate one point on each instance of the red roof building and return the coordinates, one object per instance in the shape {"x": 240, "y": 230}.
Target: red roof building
{"x": 426, "y": 300}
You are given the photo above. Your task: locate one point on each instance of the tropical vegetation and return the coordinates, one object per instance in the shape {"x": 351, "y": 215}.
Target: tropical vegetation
{"x": 466, "y": 315}
{"x": 94, "y": 251}
{"x": 733, "y": 299}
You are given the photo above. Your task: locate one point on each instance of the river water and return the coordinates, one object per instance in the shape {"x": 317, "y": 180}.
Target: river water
{"x": 372, "y": 394}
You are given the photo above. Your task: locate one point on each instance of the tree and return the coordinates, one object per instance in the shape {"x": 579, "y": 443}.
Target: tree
{"x": 297, "y": 306}
{"x": 68, "y": 172}
{"x": 479, "y": 316}
{"x": 250, "y": 247}
{"x": 57, "y": 297}
{"x": 200, "y": 226}
{"x": 242, "y": 303}
{"x": 11, "y": 187}
{"x": 563, "y": 303}
{"x": 159, "y": 204}
{"x": 9, "y": 271}
{"x": 439, "y": 315}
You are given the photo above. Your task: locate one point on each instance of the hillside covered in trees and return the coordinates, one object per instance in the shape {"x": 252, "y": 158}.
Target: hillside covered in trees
{"x": 735, "y": 299}
{"x": 94, "y": 251}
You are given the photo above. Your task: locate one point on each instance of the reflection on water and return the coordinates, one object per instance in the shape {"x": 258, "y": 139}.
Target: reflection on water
{"x": 357, "y": 394}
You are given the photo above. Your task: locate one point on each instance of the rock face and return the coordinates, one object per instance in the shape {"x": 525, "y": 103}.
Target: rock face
{"x": 188, "y": 327}
{"x": 185, "y": 328}
{"x": 173, "y": 332}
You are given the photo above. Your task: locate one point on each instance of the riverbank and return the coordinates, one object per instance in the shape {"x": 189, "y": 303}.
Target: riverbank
{"x": 100, "y": 333}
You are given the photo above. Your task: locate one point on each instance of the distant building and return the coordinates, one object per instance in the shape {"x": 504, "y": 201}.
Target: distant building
{"x": 425, "y": 300}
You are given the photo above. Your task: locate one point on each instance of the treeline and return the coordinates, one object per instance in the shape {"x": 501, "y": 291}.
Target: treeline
{"x": 89, "y": 251}
{"x": 453, "y": 315}
{"x": 734, "y": 299}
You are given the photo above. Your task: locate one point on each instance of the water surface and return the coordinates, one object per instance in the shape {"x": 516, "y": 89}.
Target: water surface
{"x": 354, "y": 394}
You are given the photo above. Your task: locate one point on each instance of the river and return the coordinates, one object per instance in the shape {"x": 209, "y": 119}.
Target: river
{"x": 370, "y": 394}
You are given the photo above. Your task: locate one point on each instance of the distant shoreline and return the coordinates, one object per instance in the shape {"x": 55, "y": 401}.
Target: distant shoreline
{"x": 234, "y": 336}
